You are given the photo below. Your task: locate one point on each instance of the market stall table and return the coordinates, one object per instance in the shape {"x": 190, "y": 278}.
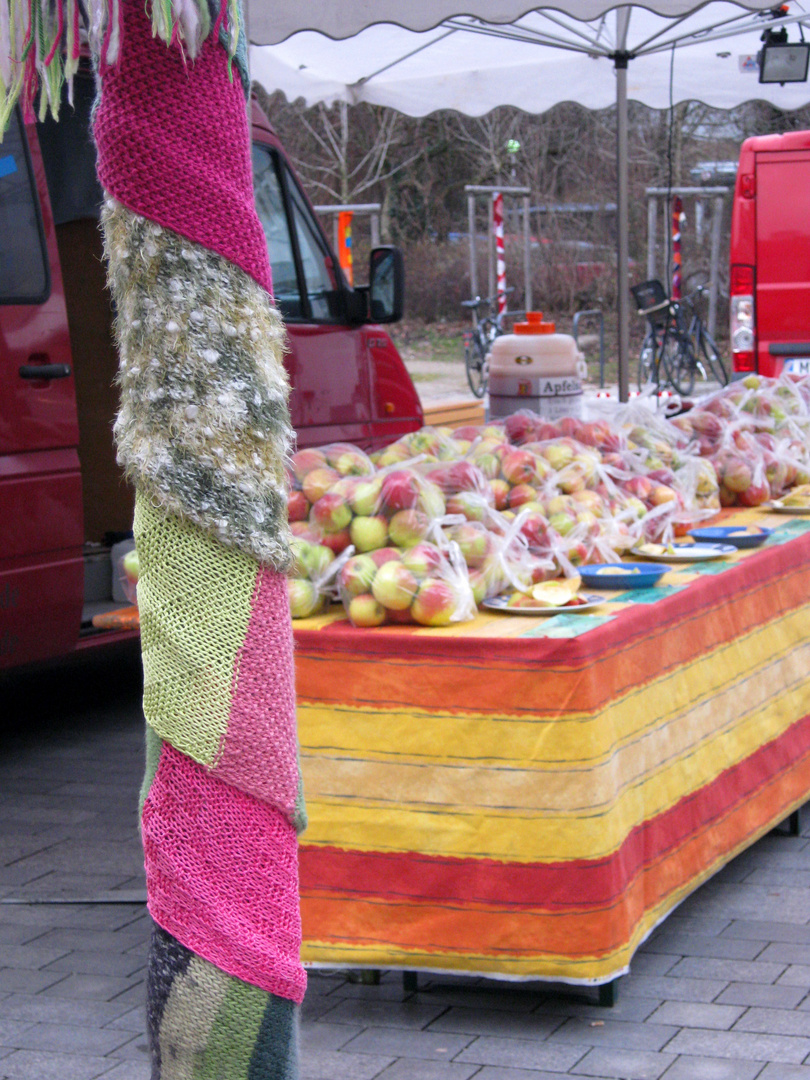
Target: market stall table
{"x": 530, "y": 797}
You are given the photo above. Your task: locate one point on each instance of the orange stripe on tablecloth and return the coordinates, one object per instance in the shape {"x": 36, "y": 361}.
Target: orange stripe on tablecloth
{"x": 549, "y": 675}
{"x": 730, "y": 814}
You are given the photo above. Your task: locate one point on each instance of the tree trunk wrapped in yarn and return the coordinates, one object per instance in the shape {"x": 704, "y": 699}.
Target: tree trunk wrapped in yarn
{"x": 204, "y": 434}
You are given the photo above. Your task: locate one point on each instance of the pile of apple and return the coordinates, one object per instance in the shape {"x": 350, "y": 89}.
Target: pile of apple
{"x": 313, "y": 473}
{"x": 423, "y": 584}
{"x": 756, "y": 435}
{"x": 525, "y": 500}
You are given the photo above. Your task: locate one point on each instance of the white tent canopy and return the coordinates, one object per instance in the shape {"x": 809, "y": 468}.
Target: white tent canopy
{"x": 542, "y": 59}
{"x": 271, "y": 23}
{"x": 473, "y": 55}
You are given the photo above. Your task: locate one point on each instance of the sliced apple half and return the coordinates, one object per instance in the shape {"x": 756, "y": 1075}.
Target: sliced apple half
{"x": 556, "y": 593}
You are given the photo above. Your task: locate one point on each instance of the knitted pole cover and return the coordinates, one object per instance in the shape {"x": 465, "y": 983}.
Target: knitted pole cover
{"x": 202, "y": 1023}
{"x": 203, "y": 433}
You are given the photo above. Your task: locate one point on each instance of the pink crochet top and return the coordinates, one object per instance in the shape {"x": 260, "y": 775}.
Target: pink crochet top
{"x": 162, "y": 138}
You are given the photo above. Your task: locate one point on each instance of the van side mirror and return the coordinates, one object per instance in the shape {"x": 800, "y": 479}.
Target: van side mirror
{"x": 386, "y": 288}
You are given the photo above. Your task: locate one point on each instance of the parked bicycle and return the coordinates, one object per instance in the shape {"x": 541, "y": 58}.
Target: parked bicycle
{"x": 677, "y": 346}
{"x": 477, "y": 342}
{"x": 705, "y": 346}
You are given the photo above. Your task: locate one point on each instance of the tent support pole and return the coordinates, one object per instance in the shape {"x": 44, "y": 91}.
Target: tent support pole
{"x": 717, "y": 217}
{"x": 620, "y": 60}
{"x": 473, "y": 251}
{"x": 527, "y": 258}
{"x": 652, "y": 222}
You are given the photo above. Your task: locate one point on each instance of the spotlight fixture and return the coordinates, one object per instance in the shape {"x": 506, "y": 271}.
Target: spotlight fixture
{"x": 780, "y": 61}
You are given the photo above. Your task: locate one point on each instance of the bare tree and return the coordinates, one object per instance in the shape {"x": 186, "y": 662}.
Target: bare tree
{"x": 343, "y": 153}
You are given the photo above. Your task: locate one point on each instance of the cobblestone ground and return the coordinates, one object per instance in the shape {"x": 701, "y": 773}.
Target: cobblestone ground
{"x": 719, "y": 992}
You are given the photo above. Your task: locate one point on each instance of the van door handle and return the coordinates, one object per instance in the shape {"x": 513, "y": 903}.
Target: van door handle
{"x": 44, "y": 371}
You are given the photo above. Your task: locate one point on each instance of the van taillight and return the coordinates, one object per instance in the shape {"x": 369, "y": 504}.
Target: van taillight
{"x": 744, "y": 361}
{"x": 743, "y": 325}
{"x": 748, "y": 185}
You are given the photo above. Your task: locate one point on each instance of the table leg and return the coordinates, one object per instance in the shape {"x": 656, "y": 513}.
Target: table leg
{"x": 410, "y": 981}
{"x": 791, "y": 826}
{"x": 607, "y": 994}
{"x": 370, "y": 977}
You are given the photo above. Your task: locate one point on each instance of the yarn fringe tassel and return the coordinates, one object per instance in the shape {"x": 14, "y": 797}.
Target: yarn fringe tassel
{"x": 40, "y": 43}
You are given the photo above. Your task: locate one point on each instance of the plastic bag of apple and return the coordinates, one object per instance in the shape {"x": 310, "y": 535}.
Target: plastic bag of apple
{"x": 427, "y": 444}
{"x": 312, "y": 472}
{"x": 426, "y": 584}
{"x": 497, "y": 555}
{"x": 756, "y": 434}
{"x": 311, "y": 584}
{"x": 395, "y": 507}
{"x": 129, "y": 569}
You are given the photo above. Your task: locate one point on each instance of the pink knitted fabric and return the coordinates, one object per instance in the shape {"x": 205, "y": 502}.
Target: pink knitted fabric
{"x": 222, "y": 875}
{"x": 177, "y": 150}
{"x": 258, "y": 752}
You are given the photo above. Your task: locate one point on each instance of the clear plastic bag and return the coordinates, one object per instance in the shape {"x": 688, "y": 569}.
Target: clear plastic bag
{"x": 311, "y": 582}
{"x": 315, "y": 471}
{"x": 427, "y": 584}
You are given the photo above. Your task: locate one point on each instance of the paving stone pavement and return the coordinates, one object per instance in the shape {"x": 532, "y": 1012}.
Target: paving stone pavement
{"x": 718, "y": 992}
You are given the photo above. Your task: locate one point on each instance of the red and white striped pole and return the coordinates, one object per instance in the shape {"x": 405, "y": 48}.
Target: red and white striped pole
{"x": 677, "y": 219}
{"x": 500, "y": 260}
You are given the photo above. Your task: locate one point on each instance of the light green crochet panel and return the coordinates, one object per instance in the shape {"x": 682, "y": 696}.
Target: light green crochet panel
{"x": 194, "y": 596}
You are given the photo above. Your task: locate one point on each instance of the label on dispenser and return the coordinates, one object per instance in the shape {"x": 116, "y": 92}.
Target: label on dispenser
{"x": 549, "y": 396}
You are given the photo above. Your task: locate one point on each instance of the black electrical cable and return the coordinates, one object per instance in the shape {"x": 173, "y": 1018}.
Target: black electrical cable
{"x": 668, "y": 214}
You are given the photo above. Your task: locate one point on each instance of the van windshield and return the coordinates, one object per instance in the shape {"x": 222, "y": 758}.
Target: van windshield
{"x": 319, "y": 299}
{"x": 23, "y": 269}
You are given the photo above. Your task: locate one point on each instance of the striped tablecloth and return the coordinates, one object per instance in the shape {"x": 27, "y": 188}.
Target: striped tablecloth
{"x": 529, "y": 797}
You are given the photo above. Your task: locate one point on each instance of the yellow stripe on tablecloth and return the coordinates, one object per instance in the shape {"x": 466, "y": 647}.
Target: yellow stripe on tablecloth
{"x": 459, "y": 808}
{"x": 590, "y": 970}
{"x": 445, "y": 736}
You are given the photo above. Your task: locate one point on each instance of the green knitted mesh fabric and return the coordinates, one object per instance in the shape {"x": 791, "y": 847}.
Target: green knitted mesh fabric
{"x": 153, "y": 744}
{"x": 204, "y": 425}
{"x": 205, "y": 1025}
{"x": 191, "y": 1012}
{"x": 233, "y": 1039}
{"x": 189, "y": 658}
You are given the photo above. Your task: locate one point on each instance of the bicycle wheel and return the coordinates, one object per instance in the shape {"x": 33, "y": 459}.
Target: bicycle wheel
{"x": 665, "y": 347}
{"x": 713, "y": 358}
{"x": 646, "y": 361}
{"x": 683, "y": 363}
{"x": 475, "y": 364}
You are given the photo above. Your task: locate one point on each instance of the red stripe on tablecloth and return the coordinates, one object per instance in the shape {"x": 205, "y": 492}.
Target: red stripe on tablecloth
{"x": 784, "y": 569}
{"x": 575, "y": 885}
{"x": 572, "y": 675}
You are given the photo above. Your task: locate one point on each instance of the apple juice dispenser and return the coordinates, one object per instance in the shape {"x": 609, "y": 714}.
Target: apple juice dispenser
{"x": 535, "y": 368}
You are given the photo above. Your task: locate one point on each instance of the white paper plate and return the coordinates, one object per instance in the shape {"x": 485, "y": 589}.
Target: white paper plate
{"x": 690, "y": 553}
{"x": 499, "y": 603}
{"x": 780, "y": 508}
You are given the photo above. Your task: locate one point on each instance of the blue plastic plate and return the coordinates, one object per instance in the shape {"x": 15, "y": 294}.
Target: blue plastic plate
{"x": 621, "y": 575}
{"x": 738, "y": 535}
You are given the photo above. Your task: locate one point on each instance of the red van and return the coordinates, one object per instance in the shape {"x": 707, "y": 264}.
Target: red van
{"x": 63, "y": 500}
{"x": 770, "y": 256}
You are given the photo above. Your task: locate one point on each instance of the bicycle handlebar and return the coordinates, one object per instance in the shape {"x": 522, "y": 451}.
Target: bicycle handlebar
{"x": 488, "y": 300}
{"x": 673, "y": 303}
